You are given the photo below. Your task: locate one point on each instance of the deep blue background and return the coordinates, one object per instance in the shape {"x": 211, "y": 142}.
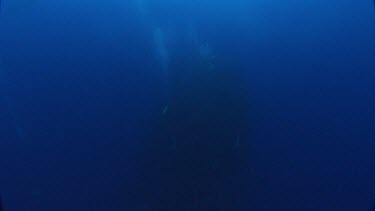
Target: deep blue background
{"x": 79, "y": 81}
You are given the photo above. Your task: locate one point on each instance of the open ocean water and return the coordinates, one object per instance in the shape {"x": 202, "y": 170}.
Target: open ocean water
{"x": 166, "y": 105}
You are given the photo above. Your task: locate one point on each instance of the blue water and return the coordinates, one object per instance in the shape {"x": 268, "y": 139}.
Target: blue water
{"x": 160, "y": 105}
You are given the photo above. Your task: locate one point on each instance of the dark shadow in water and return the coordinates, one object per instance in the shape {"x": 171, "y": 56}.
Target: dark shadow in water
{"x": 1, "y": 204}
{"x": 197, "y": 154}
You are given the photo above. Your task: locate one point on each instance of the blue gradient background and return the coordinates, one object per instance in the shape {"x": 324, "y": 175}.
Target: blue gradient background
{"x": 79, "y": 81}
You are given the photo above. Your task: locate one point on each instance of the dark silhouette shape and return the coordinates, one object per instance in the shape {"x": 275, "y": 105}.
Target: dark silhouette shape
{"x": 196, "y": 156}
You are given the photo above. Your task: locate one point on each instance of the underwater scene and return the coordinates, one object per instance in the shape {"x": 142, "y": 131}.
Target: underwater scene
{"x": 196, "y": 105}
